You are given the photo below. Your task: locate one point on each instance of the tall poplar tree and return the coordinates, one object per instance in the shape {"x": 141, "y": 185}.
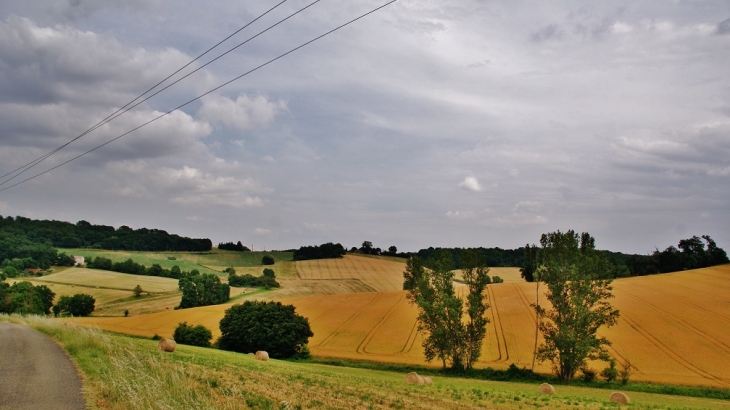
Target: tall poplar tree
{"x": 578, "y": 287}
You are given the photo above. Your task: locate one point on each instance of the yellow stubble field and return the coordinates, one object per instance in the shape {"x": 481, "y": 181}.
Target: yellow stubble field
{"x": 673, "y": 327}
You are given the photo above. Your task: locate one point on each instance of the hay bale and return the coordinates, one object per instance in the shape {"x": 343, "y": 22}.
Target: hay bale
{"x": 262, "y": 355}
{"x": 413, "y": 377}
{"x": 167, "y": 345}
{"x": 547, "y": 389}
{"x": 427, "y": 380}
{"x": 618, "y": 397}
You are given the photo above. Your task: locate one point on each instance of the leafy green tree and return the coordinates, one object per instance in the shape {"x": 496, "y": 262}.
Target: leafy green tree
{"x": 269, "y": 273}
{"x": 137, "y": 291}
{"x": 11, "y": 271}
{"x": 530, "y": 264}
{"x": 24, "y": 298}
{"x": 4, "y": 297}
{"x": 610, "y": 373}
{"x": 579, "y": 286}
{"x": 269, "y": 326}
{"x": 202, "y": 290}
{"x": 267, "y": 260}
{"x": 454, "y": 341}
{"x": 476, "y": 277}
{"x": 79, "y": 304}
{"x": 198, "y": 335}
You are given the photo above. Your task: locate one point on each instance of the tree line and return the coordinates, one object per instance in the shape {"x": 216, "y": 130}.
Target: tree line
{"x": 325, "y": 251}
{"x": 230, "y": 246}
{"x": 20, "y": 231}
{"x": 692, "y": 253}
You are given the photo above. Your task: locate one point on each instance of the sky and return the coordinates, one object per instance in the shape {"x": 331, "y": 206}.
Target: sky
{"x": 464, "y": 123}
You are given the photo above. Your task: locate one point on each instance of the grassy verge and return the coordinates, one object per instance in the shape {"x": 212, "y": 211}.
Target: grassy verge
{"x": 515, "y": 374}
{"x": 122, "y": 372}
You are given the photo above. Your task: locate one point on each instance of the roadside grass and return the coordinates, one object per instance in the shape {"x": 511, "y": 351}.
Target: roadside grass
{"x": 122, "y": 372}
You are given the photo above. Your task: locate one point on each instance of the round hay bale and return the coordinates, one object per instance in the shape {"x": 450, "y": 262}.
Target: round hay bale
{"x": 167, "y": 345}
{"x": 413, "y": 377}
{"x": 427, "y": 380}
{"x": 547, "y": 389}
{"x": 618, "y": 397}
{"x": 262, "y": 355}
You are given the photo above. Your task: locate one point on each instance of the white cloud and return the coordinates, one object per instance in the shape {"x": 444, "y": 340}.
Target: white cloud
{"x": 470, "y": 184}
{"x": 244, "y": 113}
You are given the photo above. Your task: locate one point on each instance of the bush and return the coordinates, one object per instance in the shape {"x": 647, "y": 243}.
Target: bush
{"x": 267, "y": 260}
{"x": 588, "y": 375}
{"x": 610, "y": 373}
{"x": 625, "y": 372}
{"x": 192, "y": 335}
{"x": 269, "y": 326}
{"x": 269, "y": 273}
{"x": 497, "y": 279}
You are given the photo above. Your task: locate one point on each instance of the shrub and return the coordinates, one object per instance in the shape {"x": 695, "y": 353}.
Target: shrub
{"x": 269, "y": 273}
{"x": 497, "y": 279}
{"x": 610, "y": 373}
{"x": 126, "y": 312}
{"x": 625, "y": 372}
{"x": 269, "y": 326}
{"x": 267, "y": 260}
{"x": 137, "y": 291}
{"x": 588, "y": 375}
{"x": 192, "y": 335}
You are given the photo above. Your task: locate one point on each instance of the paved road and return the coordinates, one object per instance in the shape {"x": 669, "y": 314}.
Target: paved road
{"x": 35, "y": 373}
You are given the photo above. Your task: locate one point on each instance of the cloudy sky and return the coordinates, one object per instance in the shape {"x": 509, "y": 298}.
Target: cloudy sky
{"x": 477, "y": 123}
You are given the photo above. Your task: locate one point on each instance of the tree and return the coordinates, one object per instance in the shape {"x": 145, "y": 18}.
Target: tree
{"x": 579, "y": 286}
{"x": 267, "y": 260}
{"x": 198, "y": 335}
{"x": 530, "y": 265}
{"x": 440, "y": 310}
{"x": 10, "y": 271}
{"x": 476, "y": 277}
{"x": 269, "y": 326}
{"x": 79, "y": 304}
{"x": 137, "y": 291}
{"x": 269, "y": 273}
{"x": 393, "y": 250}
{"x": 202, "y": 290}
{"x": 24, "y": 298}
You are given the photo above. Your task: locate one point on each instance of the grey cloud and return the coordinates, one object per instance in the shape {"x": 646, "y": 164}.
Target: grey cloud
{"x": 548, "y": 32}
{"x": 723, "y": 27}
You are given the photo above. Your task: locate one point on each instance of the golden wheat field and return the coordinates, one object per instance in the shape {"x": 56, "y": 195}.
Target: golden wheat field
{"x": 672, "y": 326}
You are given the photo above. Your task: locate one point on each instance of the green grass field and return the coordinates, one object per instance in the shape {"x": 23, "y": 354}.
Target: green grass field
{"x": 205, "y": 262}
{"x": 122, "y": 372}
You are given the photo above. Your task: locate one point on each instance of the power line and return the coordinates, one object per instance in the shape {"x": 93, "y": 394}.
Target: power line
{"x": 202, "y": 95}
{"x": 124, "y": 108}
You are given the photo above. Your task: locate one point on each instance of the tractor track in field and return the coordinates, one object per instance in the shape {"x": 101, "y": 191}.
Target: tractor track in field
{"x": 669, "y": 352}
{"x": 348, "y": 321}
{"x": 362, "y": 347}
{"x": 525, "y": 301}
{"x": 350, "y": 295}
{"x": 694, "y": 305}
{"x": 501, "y": 340}
{"x": 719, "y": 344}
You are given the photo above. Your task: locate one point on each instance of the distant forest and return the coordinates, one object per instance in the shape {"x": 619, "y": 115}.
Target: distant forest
{"x": 20, "y": 232}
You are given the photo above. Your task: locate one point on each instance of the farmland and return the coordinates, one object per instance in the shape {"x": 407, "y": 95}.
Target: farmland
{"x": 380, "y": 325}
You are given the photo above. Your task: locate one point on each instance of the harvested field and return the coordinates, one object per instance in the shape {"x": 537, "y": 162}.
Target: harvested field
{"x": 380, "y": 275}
{"x": 672, "y": 326}
{"x": 102, "y": 296}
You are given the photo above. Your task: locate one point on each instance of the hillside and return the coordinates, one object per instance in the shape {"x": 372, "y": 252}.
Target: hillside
{"x": 380, "y": 326}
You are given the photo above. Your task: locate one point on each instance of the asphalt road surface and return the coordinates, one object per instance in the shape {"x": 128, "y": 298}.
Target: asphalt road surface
{"x": 35, "y": 373}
